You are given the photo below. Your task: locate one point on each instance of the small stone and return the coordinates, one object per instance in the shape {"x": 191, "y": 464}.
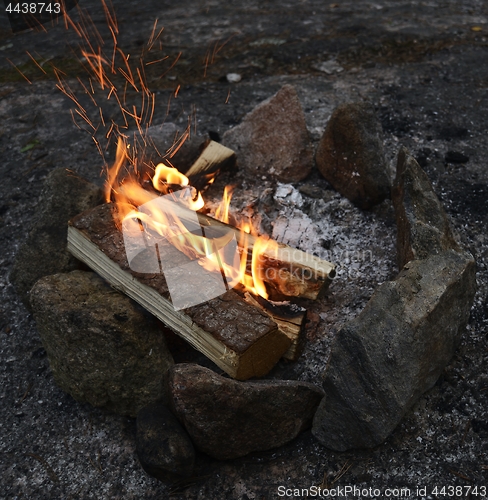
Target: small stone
{"x": 422, "y": 225}
{"x": 44, "y": 252}
{"x": 350, "y": 155}
{"x": 329, "y": 67}
{"x": 102, "y": 348}
{"x": 394, "y": 351}
{"x": 273, "y": 139}
{"x": 163, "y": 446}
{"x": 311, "y": 190}
{"x": 233, "y": 77}
{"x": 229, "y": 419}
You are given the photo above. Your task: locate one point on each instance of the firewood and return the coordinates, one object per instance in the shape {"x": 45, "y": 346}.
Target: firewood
{"x": 290, "y": 319}
{"x": 213, "y": 158}
{"x": 238, "y": 337}
{"x": 289, "y": 272}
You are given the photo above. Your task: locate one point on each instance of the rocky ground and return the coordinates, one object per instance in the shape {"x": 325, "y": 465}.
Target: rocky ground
{"x": 424, "y": 67}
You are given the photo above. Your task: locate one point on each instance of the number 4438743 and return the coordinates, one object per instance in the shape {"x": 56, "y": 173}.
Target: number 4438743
{"x": 33, "y": 8}
{"x": 459, "y": 491}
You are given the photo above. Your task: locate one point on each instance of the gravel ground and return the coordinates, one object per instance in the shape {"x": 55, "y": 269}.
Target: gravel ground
{"x": 424, "y": 65}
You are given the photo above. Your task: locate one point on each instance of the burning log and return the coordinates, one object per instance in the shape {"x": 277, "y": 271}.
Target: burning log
{"x": 288, "y": 272}
{"x": 290, "y": 319}
{"x": 237, "y": 336}
{"x": 213, "y": 158}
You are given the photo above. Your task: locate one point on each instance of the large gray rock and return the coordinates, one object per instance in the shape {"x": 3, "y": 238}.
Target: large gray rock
{"x": 102, "y": 348}
{"x": 44, "y": 252}
{"x": 273, "y": 139}
{"x": 350, "y": 155}
{"x": 163, "y": 446}
{"x": 422, "y": 224}
{"x": 395, "y": 350}
{"x": 228, "y": 419}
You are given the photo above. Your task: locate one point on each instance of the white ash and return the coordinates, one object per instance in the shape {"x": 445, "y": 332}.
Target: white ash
{"x": 361, "y": 245}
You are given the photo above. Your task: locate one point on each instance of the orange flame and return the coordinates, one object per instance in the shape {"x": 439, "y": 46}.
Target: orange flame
{"x": 128, "y": 195}
{"x": 222, "y": 211}
{"x": 170, "y": 175}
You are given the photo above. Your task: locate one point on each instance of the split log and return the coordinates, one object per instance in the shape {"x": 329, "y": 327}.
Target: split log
{"x": 238, "y": 337}
{"x": 213, "y": 158}
{"x": 289, "y": 272}
{"x": 290, "y": 319}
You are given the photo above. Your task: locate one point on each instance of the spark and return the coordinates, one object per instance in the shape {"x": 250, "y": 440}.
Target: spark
{"x": 172, "y": 65}
{"x": 36, "y": 63}
{"x": 85, "y": 117}
{"x": 18, "y": 69}
{"x": 177, "y": 144}
{"x": 127, "y": 75}
{"x": 110, "y": 16}
{"x": 101, "y": 116}
{"x": 169, "y": 103}
{"x": 74, "y": 119}
{"x": 158, "y": 61}
{"x": 151, "y": 37}
{"x": 98, "y": 146}
{"x": 107, "y": 135}
{"x": 87, "y": 92}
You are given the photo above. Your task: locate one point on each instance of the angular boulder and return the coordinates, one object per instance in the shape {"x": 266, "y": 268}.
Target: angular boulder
{"x": 422, "y": 225}
{"x": 350, "y": 155}
{"x": 395, "y": 350}
{"x": 229, "y": 419}
{"x": 163, "y": 446}
{"x": 273, "y": 139}
{"x": 102, "y": 348}
{"x": 44, "y": 252}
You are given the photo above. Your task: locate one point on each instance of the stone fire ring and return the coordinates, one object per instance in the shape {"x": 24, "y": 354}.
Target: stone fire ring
{"x": 380, "y": 362}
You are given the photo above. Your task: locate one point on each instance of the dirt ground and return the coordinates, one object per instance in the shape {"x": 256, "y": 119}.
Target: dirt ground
{"x": 423, "y": 64}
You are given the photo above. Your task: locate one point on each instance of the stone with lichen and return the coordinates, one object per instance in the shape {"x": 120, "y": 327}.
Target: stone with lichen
{"x": 103, "y": 349}
{"x": 44, "y": 252}
{"x": 423, "y": 228}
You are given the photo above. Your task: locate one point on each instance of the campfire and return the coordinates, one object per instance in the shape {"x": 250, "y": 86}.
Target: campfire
{"x": 221, "y": 286}
{"x": 237, "y": 295}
